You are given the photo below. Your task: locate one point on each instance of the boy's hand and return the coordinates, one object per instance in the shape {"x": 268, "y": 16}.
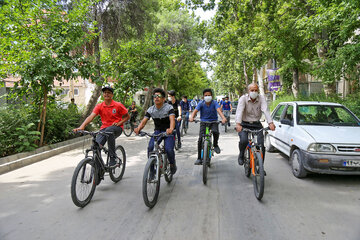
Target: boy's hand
{"x": 223, "y": 121}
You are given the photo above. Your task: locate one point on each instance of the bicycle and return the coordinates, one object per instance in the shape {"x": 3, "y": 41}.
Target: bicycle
{"x": 129, "y": 127}
{"x": 253, "y": 161}
{"x": 156, "y": 166}
{"x": 185, "y": 123}
{"x": 207, "y": 150}
{"x": 227, "y": 116}
{"x": 91, "y": 170}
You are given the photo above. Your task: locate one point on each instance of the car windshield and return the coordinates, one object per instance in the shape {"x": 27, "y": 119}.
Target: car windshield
{"x": 325, "y": 115}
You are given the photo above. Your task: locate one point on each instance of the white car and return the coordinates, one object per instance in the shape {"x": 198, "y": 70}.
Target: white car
{"x": 319, "y": 137}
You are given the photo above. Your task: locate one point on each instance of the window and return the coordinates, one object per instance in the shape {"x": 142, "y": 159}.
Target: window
{"x": 76, "y": 92}
{"x": 278, "y": 113}
{"x": 289, "y": 113}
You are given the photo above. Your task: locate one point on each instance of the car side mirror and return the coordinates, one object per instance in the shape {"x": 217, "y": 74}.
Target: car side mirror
{"x": 287, "y": 122}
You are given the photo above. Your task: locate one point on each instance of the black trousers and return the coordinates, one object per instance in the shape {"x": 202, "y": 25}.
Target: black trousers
{"x": 244, "y": 137}
{"x": 101, "y": 139}
{"x": 215, "y": 132}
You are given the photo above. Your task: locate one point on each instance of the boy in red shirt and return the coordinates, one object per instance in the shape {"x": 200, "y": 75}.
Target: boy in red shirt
{"x": 111, "y": 113}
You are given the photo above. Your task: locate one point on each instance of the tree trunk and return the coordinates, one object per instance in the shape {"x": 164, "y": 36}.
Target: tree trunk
{"x": 147, "y": 100}
{"x": 97, "y": 90}
{"x": 295, "y": 84}
{"x": 43, "y": 119}
{"x": 261, "y": 81}
{"x": 254, "y": 75}
{"x": 245, "y": 74}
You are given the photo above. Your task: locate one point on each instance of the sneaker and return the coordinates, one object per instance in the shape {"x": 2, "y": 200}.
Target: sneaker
{"x": 173, "y": 169}
{"x": 179, "y": 144}
{"x": 264, "y": 173}
{"x": 198, "y": 162}
{"x": 113, "y": 163}
{"x": 240, "y": 160}
{"x": 217, "y": 149}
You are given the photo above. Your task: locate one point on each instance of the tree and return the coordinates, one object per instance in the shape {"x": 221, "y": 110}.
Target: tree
{"x": 40, "y": 43}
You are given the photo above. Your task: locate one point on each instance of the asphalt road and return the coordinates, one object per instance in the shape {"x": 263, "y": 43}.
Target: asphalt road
{"x": 35, "y": 201}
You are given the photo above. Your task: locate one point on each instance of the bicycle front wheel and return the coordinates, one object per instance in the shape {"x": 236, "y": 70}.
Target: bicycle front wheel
{"x": 128, "y": 129}
{"x": 247, "y": 162}
{"x": 151, "y": 183}
{"x": 117, "y": 173}
{"x": 83, "y": 182}
{"x": 206, "y": 159}
{"x": 258, "y": 179}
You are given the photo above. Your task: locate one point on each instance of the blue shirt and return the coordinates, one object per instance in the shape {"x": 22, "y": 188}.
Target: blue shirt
{"x": 185, "y": 106}
{"x": 226, "y": 105}
{"x": 208, "y": 113}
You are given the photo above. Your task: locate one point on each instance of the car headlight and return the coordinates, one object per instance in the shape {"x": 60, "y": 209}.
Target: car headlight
{"x": 321, "y": 147}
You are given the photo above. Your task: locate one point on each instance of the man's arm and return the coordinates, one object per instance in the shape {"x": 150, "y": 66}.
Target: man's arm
{"x": 221, "y": 115}
{"x": 141, "y": 125}
{"x": 86, "y": 122}
{"x": 239, "y": 113}
{"x": 172, "y": 124}
{"x": 266, "y": 111}
{"x": 179, "y": 109}
{"x": 193, "y": 115}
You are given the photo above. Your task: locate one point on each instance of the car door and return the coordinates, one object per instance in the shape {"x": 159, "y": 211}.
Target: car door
{"x": 286, "y": 129}
{"x": 276, "y": 116}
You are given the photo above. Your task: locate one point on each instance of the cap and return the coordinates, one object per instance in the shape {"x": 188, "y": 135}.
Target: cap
{"x": 107, "y": 88}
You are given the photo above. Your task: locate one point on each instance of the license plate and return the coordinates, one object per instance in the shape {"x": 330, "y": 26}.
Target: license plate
{"x": 351, "y": 163}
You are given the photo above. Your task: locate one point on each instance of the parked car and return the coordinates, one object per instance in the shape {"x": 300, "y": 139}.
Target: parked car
{"x": 318, "y": 137}
{"x": 234, "y": 105}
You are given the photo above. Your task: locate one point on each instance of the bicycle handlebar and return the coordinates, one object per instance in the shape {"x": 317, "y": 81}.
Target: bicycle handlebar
{"x": 209, "y": 122}
{"x": 255, "y": 131}
{"x": 162, "y": 134}
{"x": 84, "y": 132}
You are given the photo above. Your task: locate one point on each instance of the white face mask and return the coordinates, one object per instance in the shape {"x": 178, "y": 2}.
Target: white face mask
{"x": 208, "y": 98}
{"x": 254, "y": 95}
{"x": 170, "y": 98}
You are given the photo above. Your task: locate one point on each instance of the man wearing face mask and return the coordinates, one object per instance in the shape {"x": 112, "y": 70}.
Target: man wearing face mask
{"x": 248, "y": 113}
{"x": 177, "y": 110}
{"x": 208, "y": 112}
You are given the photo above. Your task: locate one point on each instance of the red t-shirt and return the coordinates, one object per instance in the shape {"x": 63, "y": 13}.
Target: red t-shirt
{"x": 110, "y": 113}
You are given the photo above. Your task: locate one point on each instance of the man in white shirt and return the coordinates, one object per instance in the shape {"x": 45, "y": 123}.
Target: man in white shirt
{"x": 248, "y": 113}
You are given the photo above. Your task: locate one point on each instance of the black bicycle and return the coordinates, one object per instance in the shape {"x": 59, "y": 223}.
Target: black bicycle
{"x": 156, "y": 166}
{"x": 91, "y": 170}
{"x": 129, "y": 127}
{"x": 207, "y": 150}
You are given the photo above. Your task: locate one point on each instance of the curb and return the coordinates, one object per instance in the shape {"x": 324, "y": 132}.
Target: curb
{"x": 19, "y": 160}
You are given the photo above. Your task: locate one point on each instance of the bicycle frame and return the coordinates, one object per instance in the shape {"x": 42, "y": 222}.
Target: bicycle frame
{"x": 207, "y": 137}
{"x": 253, "y": 147}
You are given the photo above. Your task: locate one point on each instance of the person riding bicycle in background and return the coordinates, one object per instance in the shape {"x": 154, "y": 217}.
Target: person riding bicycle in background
{"x": 133, "y": 111}
{"x": 208, "y": 109}
{"x": 193, "y": 104}
{"x": 164, "y": 120}
{"x": 177, "y": 110}
{"x": 185, "y": 109}
{"x": 113, "y": 114}
{"x": 227, "y": 108}
{"x": 248, "y": 112}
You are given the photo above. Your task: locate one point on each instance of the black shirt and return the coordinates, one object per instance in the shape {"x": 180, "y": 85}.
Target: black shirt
{"x": 175, "y": 106}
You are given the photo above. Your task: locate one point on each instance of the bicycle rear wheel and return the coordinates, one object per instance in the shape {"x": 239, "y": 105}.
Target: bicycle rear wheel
{"x": 258, "y": 179}
{"x": 117, "y": 173}
{"x": 247, "y": 162}
{"x": 151, "y": 183}
{"x": 83, "y": 182}
{"x": 205, "y": 160}
{"x": 176, "y": 142}
{"x": 127, "y": 128}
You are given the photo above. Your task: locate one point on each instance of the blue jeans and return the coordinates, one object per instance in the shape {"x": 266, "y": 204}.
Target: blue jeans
{"x": 185, "y": 117}
{"x": 169, "y": 146}
{"x": 177, "y": 128}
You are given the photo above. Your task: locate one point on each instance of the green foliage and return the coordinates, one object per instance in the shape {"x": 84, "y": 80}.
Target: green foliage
{"x": 27, "y": 138}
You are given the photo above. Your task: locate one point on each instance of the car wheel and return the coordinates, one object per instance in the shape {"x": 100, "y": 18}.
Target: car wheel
{"x": 268, "y": 146}
{"x": 297, "y": 165}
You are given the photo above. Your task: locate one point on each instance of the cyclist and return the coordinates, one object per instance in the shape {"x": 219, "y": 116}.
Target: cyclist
{"x": 113, "y": 114}
{"x": 227, "y": 108}
{"x": 193, "y": 104}
{"x": 208, "y": 109}
{"x": 132, "y": 109}
{"x": 164, "y": 119}
{"x": 177, "y": 110}
{"x": 185, "y": 109}
{"x": 248, "y": 112}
